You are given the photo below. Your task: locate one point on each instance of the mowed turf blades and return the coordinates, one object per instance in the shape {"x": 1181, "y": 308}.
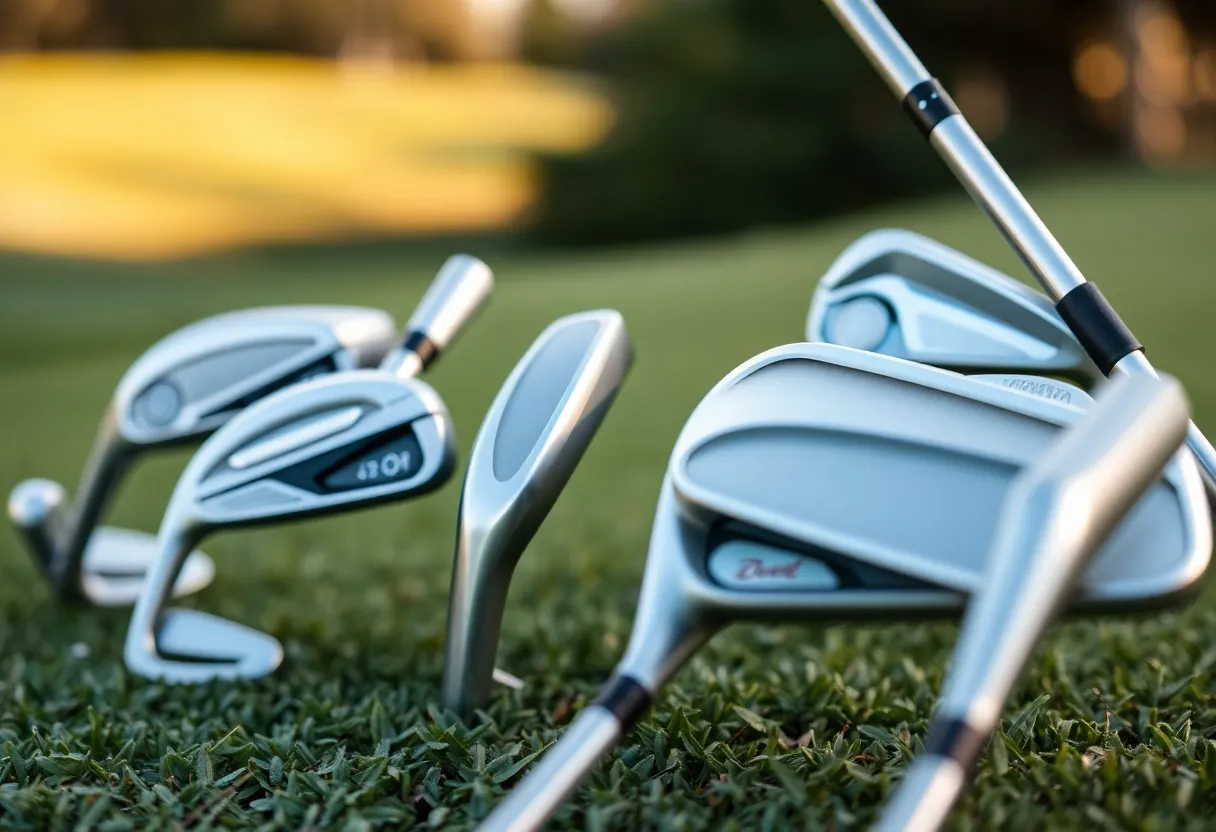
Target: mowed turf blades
{"x": 790, "y": 727}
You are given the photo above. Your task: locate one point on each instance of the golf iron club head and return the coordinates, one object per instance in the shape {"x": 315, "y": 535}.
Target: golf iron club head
{"x": 1059, "y": 511}
{"x": 903, "y": 294}
{"x": 338, "y": 443}
{"x": 1107, "y": 340}
{"x": 822, "y": 483}
{"x": 530, "y": 442}
{"x": 179, "y": 391}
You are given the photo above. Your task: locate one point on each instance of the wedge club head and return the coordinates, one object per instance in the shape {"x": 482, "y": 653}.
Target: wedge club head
{"x": 1058, "y": 512}
{"x": 822, "y": 483}
{"x": 903, "y": 294}
{"x": 178, "y": 392}
{"x": 530, "y": 442}
{"x": 338, "y": 443}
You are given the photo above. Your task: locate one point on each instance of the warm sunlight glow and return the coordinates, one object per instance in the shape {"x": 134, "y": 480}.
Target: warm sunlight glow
{"x": 1161, "y": 132}
{"x": 1204, "y": 74}
{"x": 1163, "y": 73}
{"x": 161, "y": 155}
{"x": 1100, "y": 71}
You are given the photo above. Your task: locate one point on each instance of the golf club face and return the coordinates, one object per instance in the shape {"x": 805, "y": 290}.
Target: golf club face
{"x": 359, "y": 438}
{"x": 531, "y": 440}
{"x": 871, "y": 457}
{"x": 905, "y": 295}
{"x": 818, "y": 482}
{"x": 337, "y": 443}
{"x": 180, "y": 390}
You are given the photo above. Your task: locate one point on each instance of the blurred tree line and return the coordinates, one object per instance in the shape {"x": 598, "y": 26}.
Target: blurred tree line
{"x": 398, "y": 29}
{"x": 735, "y": 113}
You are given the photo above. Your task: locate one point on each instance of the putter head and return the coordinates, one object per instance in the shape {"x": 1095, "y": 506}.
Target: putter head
{"x": 905, "y": 295}
{"x": 337, "y": 443}
{"x": 180, "y": 390}
{"x": 531, "y": 440}
{"x": 822, "y": 482}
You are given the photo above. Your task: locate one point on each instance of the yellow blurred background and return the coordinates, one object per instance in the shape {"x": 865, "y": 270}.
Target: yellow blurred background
{"x": 137, "y": 155}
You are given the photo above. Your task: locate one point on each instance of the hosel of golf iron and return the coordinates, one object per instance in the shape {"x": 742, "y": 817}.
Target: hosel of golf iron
{"x": 475, "y": 613}
{"x": 984, "y": 178}
{"x": 107, "y": 461}
{"x": 179, "y": 534}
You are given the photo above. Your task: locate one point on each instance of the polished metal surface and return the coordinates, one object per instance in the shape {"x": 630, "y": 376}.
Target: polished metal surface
{"x": 796, "y": 469}
{"x": 1137, "y": 363}
{"x": 531, "y": 440}
{"x": 891, "y": 56}
{"x": 984, "y": 178}
{"x": 1046, "y": 388}
{"x": 342, "y": 441}
{"x": 402, "y": 421}
{"x": 179, "y": 391}
{"x": 457, "y": 293}
{"x": 1058, "y": 513}
{"x": 903, "y": 294}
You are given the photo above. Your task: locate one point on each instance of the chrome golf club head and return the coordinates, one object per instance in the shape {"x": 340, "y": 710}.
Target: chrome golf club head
{"x": 179, "y": 391}
{"x": 338, "y": 443}
{"x": 530, "y": 441}
{"x": 903, "y": 294}
{"x": 1095, "y": 323}
{"x": 822, "y": 483}
{"x": 1059, "y": 511}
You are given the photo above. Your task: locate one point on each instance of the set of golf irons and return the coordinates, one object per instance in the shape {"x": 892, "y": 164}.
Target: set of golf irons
{"x": 926, "y": 449}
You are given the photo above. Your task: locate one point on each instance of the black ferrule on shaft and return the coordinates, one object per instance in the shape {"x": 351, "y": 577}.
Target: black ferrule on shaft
{"x": 626, "y": 698}
{"x": 955, "y": 740}
{"x": 1097, "y": 326}
{"x": 929, "y": 105}
{"x": 422, "y": 346}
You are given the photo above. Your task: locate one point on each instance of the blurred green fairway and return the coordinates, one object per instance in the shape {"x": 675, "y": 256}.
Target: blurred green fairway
{"x": 770, "y": 728}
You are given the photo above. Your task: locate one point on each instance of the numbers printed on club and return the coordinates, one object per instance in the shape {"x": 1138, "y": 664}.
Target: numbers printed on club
{"x": 390, "y": 466}
{"x": 395, "y": 460}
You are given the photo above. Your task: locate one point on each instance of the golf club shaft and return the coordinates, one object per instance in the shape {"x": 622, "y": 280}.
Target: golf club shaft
{"x": 1058, "y": 513}
{"x": 979, "y": 172}
{"x": 534, "y": 800}
{"x": 106, "y": 463}
{"x": 925, "y": 796}
{"x": 661, "y": 642}
{"x": 458, "y": 291}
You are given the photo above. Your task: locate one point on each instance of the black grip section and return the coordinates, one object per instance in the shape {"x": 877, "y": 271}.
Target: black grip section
{"x": 1097, "y": 326}
{"x": 929, "y": 105}
{"x": 626, "y": 698}
{"x": 955, "y": 740}
{"x": 419, "y": 344}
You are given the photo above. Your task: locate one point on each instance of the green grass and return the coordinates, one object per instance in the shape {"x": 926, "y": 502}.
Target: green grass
{"x": 774, "y": 728}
